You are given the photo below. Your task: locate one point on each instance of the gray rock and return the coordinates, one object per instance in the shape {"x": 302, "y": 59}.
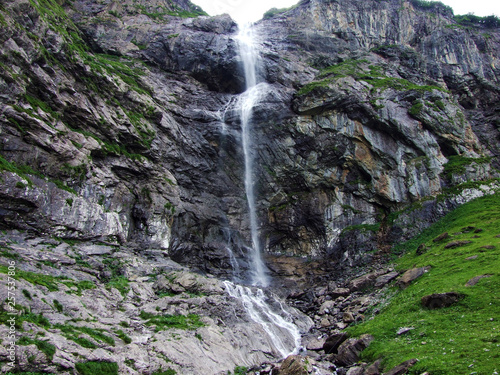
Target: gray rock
{"x": 402, "y": 368}
{"x": 475, "y": 280}
{"x": 410, "y": 275}
{"x": 349, "y": 350}
{"x": 334, "y": 341}
{"x": 385, "y": 279}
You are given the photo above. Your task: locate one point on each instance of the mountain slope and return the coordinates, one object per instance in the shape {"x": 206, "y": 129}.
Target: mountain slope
{"x": 462, "y": 253}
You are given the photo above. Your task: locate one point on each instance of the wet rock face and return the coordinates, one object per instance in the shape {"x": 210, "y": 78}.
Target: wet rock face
{"x": 126, "y": 129}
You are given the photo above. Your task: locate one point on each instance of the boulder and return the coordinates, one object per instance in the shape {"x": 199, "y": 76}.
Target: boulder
{"x": 348, "y": 317}
{"x": 349, "y": 350}
{"x": 374, "y": 368}
{"x": 475, "y": 280}
{"x": 333, "y": 342}
{"x": 409, "y": 276}
{"x": 454, "y": 244}
{"x": 357, "y": 370}
{"x": 363, "y": 282}
{"x": 314, "y": 343}
{"x": 326, "y": 307}
{"x": 440, "y": 300}
{"x": 385, "y": 279}
{"x": 340, "y": 292}
{"x": 402, "y": 368}
{"x": 441, "y": 237}
{"x": 293, "y": 365}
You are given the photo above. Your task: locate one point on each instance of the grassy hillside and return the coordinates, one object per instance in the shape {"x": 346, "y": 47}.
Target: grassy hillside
{"x": 463, "y": 338}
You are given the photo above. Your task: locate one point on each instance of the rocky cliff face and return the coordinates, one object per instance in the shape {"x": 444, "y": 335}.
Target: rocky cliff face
{"x": 121, "y": 145}
{"x": 118, "y": 124}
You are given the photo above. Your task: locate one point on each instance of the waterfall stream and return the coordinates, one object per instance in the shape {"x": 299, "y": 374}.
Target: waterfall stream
{"x": 248, "y": 99}
{"x": 282, "y": 334}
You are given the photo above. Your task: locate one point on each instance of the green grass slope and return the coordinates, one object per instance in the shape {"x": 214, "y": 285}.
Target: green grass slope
{"x": 460, "y": 339}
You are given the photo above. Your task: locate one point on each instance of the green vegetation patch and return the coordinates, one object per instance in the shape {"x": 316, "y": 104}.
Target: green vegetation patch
{"x": 72, "y": 332}
{"x": 162, "y": 322}
{"x": 275, "y": 11}
{"x": 456, "y": 164}
{"x": 168, "y": 371}
{"x": 431, "y": 5}
{"x": 25, "y": 170}
{"x": 23, "y": 315}
{"x": 362, "y": 228}
{"x": 473, "y": 20}
{"x": 464, "y": 337}
{"x": 94, "y": 368}
{"x": 49, "y": 281}
{"x": 120, "y": 283}
{"x": 126, "y": 338}
{"x": 44, "y": 346}
{"x": 372, "y": 74}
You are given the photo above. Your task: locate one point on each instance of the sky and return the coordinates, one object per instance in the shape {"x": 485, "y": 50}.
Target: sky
{"x": 252, "y": 10}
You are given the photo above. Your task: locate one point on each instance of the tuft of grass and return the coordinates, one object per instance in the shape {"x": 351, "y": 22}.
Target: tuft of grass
{"x": 456, "y": 164}
{"x": 120, "y": 283}
{"x": 49, "y": 281}
{"x": 162, "y": 322}
{"x": 58, "y": 306}
{"x": 23, "y": 314}
{"x": 372, "y": 74}
{"x": 445, "y": 341}
{"x": 44, "y": 346}
{"x": 168, "y": 371}
{"x": 95, "y": 367}
{"x": 72, "y": 332}
{"x": 126, "y": 338}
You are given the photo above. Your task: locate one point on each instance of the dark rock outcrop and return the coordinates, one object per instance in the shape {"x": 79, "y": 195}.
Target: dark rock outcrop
{"x": 440, "y": 300}
{"x": 349, "y": 350}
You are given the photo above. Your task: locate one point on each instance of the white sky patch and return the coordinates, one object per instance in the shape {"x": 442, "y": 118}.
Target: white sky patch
{"x": 252, "y": 10}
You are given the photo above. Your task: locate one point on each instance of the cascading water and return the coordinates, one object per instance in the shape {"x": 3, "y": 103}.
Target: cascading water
{"x": 283, "y": 335}
{"x": 247, "y": 103}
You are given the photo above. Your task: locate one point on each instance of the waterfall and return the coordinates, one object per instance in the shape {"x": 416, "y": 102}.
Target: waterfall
{"x": 248, "y": 99}
{"x": 282, "y": 334}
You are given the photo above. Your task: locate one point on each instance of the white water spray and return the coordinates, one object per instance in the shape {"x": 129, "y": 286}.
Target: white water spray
{"x": 248, "y": 100}
{"x": 283, "y": 334}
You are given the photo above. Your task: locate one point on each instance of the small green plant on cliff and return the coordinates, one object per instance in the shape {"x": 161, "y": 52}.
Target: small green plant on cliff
{"x": 168, "y": 371}
{"x": 416, "y": 108}
{"x": 72, "y": 332}
{"x": 275, "y": 11}
{"x": 44, "y": 346}
{"x": 162, "y": 322}
{"x": 456, "y": 164}
{"x": 372, "y": 74}
{"x": 473, "y": 20}
{"x": 240, "y": 370}
{"x": 431, "y": 5}
{"x": 445, "y": 341}
{"x": 126, "y": 338}
{"x": 94, "y": 368}
{"x": 362, "y": 228}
